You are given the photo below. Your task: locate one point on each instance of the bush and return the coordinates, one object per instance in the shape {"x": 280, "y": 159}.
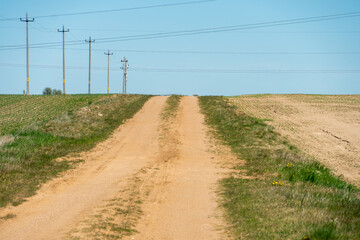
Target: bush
{"x": 49, "y": 91}
{"x": 56, "y": 92}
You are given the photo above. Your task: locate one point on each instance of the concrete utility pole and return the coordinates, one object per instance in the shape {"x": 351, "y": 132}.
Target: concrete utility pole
{"x": 63, "y": 31}
{"x": 125, "y": 67}
{"x": 27, "y": 20}
{"x": 89, "y": 41}
{"x": 108, "y": 75}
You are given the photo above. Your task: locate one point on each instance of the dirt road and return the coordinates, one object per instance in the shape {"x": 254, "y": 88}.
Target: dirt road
{"x": 187, "y": 209}
{"x": 150, "y": 177}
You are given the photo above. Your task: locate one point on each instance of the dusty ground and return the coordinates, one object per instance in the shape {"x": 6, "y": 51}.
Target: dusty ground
{"x": 326, "y": 127}
{"x": 150, "y": 180}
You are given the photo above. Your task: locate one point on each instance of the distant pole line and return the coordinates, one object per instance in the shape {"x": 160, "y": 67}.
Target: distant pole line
{"x": 27, "y": 20}
{"x": 124, "y": 68}
{"x": 63, "y": 32}
{"x": 108, "y": 73}
{"x": 89, "y": 41}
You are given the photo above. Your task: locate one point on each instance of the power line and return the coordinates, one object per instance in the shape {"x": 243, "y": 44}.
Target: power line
{"x": 225, "y": 52}
{"x": 232, "y": 28}
{"x": 198, "y": 70}
{"x": 212, "y": 52}
{"x": 125, "y": 69}
{"x": 247, "y": 71}
{"x": 63, "y": 31}
{"x": 108, "y": 73}
{"x": 27, "y": 20}
{"x": 48, "y": 66}
{"x": 89, "y": 41}
{"x": 200, "y": 31}
{"x": 115, "y": 10}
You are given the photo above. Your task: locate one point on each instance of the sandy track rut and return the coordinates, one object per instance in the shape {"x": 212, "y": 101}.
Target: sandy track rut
{"x": 175, "y": 174}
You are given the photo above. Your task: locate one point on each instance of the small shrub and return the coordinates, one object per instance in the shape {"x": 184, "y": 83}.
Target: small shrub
{"x": 48, "y": 91}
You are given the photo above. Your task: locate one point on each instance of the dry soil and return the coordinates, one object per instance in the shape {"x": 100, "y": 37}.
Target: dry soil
{"x": 326, "y": 127}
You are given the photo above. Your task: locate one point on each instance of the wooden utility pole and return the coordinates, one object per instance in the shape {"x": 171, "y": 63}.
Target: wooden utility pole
{"x": 89, "y": 41}
{"x": 108, "y": 73}
{"x": 63, "y": 31}
{"x": 124, "y": 68}
{"x": 27, "y": 20}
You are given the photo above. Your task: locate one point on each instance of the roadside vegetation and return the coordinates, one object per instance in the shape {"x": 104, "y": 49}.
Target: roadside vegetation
{"x": 36, "y": 130}
{"x": 280, "y": 192}
{"x": 171, "y": 107}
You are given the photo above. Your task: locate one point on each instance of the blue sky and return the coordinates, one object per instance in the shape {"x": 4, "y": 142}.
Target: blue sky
{"x": 256, "y": 49}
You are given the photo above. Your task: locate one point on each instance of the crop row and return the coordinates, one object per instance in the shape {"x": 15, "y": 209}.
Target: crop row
{"x": 20, "y": 111}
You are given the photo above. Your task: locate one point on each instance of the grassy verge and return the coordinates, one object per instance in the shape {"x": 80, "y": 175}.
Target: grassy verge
{"x": 287, "y": 194}
{"x": 171, "y": 107}
{"x": 28, "y": 159}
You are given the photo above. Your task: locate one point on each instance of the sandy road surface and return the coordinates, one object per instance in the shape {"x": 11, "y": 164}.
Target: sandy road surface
{"x": 187, "y": 209}
{"x": 326, "y": 127}
{"x": 163, "y": 171}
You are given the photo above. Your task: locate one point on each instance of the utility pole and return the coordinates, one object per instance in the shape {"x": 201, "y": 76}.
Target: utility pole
{"x": 63, "y": 31}
{"x": 89, "y": 41}
{"x": 108, "y": 75}
{"x": 27, "y": 20}
{"x": 125, "y": 66}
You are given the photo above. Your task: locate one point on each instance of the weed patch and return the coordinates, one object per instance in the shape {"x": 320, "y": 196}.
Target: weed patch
{"x": 172, "y": 104}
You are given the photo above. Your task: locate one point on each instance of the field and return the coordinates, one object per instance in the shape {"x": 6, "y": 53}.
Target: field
{"x": 35, "y": 130}
{"x": 179, "y": 167}
{"x": 325, "y": 127}
{"x": 21, "y": 111}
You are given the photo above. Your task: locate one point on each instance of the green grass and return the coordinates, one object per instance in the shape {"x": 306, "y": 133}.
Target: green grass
{"x": 18, "y": 111}
{"x": 287, "y": 194}
{"x": 51, "y": 127}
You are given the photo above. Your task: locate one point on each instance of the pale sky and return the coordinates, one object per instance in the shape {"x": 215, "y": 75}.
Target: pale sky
{"x": 318, "y": 57}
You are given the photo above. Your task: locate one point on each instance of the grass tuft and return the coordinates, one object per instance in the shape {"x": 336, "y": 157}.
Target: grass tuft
{"x": 171, "y": 106}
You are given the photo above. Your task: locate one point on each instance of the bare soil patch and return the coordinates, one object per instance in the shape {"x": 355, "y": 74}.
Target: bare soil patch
{"x": 326, "y": 127}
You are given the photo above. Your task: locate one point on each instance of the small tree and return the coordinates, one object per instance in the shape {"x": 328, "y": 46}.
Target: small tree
{"x": 56, "y": 92}
{"x": 47, "y": 91}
